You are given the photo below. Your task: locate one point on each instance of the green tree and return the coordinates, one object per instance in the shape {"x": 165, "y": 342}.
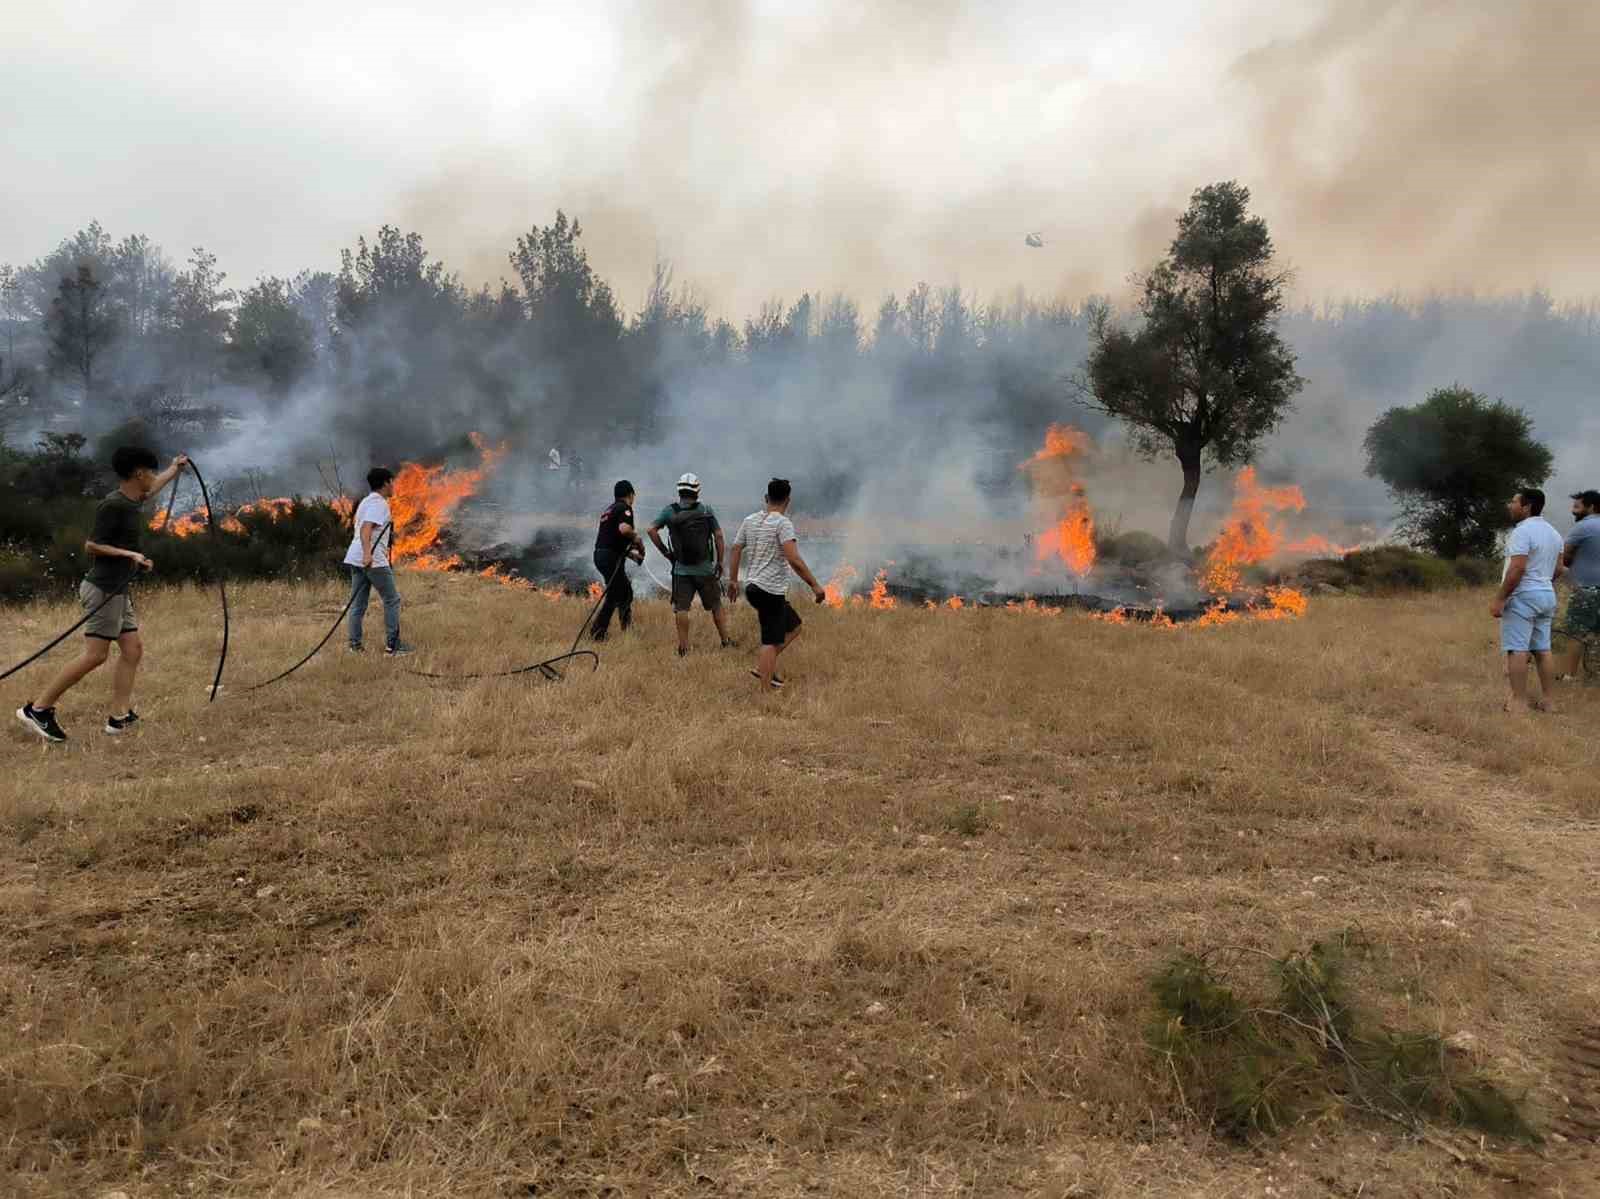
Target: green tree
{"x": 80, "y": 326}
{"x": 570, "y": 307}
{"x": 1205, "y": 376}
{"x": 1451, "y": 463}
{"x": 271, "y": 337}
{"x": 201, "y": 320}
{"x": 574, "y": 334}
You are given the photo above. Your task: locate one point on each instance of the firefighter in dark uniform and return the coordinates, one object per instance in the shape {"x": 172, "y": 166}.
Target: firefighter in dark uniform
{"x": 617, "y": 539}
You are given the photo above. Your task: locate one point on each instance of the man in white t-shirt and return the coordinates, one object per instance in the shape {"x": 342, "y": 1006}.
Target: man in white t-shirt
{"x": 368, "y": 560}
{"x": 1525, "y": 605}
{"x": 767, "y": 538}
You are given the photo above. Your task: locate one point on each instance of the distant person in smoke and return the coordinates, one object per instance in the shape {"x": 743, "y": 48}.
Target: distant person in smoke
{"x": 114, "y": 560}
{"x": 695, "y": 568}
{"x": 768, "y": 538}
{"x": 617, "y": 541}
{"x": 1581, "y": 556}
{"x": 1525, "y": 605}
{"x": 370, "y": 569}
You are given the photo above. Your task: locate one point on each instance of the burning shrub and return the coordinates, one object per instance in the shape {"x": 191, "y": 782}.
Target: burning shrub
{"x": 276, "y": 539}
{"x": 1261, "y": 1066}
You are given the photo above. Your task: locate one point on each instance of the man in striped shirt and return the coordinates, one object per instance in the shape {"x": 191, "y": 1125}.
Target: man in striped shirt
{"x": 768, "y": 538}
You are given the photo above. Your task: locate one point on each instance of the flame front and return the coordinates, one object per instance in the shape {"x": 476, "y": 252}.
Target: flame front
{"x": 1071, "y": 537}
{"x": 879, "y": 599}
{"x": 1248, "y": 536}
{"x": 193, "y": 522}
{"x": 834, "y": 590}
{"x": 1060, "y": 441}
{"x": 425, "y": 496}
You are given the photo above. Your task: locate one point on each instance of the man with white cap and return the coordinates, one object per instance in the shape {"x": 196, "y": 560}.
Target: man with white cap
{"x": 695, "y": 571}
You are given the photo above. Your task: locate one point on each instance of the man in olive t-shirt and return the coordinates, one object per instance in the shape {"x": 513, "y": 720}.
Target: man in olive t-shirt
{"x": 113, "y": 549}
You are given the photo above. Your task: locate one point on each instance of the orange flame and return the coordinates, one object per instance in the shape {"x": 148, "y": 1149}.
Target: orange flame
{"x": 955, "y": 603}
{"x": 1285, "y": 604}
{"x": 194, "y": 521}
{"x": 1060, "y": 441}
{"x": 596, "y": 590}
{"x": 1072, "y": 539}
{"x": 1216, "y": 615}
{"x": 879, "y": 598}
{"x": 834, "y": 590}
{"x": 1248, "y": 536}
{"x": 425, "y": 496}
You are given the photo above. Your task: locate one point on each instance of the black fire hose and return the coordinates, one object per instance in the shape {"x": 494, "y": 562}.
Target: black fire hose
{"x": 548, "y": 667}
{"x": 29, "y": 661}
{"x": 334, "y": 628}
{"x": 222, "y": 586}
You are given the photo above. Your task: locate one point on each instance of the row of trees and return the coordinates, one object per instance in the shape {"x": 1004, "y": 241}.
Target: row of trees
{"x": 116, "y": 328}
{"x": 397, "y": 351}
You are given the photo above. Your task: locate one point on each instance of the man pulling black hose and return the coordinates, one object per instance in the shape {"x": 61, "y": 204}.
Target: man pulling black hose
{"x": 368, "y": 561}
{"x": 617, "y": 540}
{"x": 113, "y": 549}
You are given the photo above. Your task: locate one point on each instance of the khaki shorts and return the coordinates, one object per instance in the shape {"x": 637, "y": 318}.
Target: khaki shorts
{"x": 110, "y": 622}
{"x": 686, "y": 587}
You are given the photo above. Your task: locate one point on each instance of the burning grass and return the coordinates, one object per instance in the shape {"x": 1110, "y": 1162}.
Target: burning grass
{"x": 646, "y": 932}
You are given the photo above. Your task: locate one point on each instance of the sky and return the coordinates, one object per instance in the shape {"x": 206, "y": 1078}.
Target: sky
{"x": 766, "y": 148}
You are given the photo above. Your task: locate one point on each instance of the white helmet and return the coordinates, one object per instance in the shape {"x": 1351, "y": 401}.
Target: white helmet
{"x": 689, "y": 482}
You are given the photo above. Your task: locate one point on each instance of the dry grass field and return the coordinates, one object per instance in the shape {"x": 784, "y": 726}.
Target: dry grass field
{"x": 889, "y": 933}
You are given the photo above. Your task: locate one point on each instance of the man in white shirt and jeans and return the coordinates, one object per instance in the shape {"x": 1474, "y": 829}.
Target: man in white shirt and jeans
{"x": 1526, "y": 602}
{"x": 768, "y": 538}
{"x": 368, "y": 560}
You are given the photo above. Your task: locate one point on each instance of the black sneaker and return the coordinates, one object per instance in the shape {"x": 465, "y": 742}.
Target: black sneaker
{"x": 600, "y": 636}
{"x": 355, "y": 649}
{"x": 117, "y": 725}
{"x": 402, "y": 650}
{"x": 42, "y": 721}
{"x": 777, "y": 683}
{"x": 730, "y": 644}
{"x": 683, "y": 651}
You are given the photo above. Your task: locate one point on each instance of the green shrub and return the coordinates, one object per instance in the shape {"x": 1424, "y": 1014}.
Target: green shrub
{"x": 966, "y": 819}
{"x": 1390, "y": 569}
{"x": 1259, "y": 1067}
{"x": 1134, "y": 548}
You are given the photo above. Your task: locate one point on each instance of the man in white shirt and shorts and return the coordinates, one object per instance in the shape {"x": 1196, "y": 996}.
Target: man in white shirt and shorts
{"x": 368, "y": 562}
{"x": 767, "y": 539}
{"x": 1526, "y": 602}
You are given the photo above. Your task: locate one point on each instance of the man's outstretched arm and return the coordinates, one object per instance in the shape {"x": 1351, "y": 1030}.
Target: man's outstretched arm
{"x": 791, "y": 551}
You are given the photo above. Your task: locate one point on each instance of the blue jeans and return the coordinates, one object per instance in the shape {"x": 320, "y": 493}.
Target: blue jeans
{"x": 362, "y": 583}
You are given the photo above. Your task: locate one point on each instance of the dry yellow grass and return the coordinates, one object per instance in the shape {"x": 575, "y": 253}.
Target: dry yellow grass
{"x": 649, "y": 933}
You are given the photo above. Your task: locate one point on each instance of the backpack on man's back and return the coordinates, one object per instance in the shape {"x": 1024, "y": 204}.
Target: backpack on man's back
{"x": 690, "y": 527}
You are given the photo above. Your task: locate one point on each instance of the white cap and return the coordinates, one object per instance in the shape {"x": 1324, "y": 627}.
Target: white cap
{"x": 689, "y": 482}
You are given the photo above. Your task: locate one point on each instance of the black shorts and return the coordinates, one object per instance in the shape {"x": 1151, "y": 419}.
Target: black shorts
{"x": 777, "y": 615}
{"x": 686, "y": 587}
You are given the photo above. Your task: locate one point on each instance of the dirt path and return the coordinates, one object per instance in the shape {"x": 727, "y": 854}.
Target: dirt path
{"x": 1534, "y": 896}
